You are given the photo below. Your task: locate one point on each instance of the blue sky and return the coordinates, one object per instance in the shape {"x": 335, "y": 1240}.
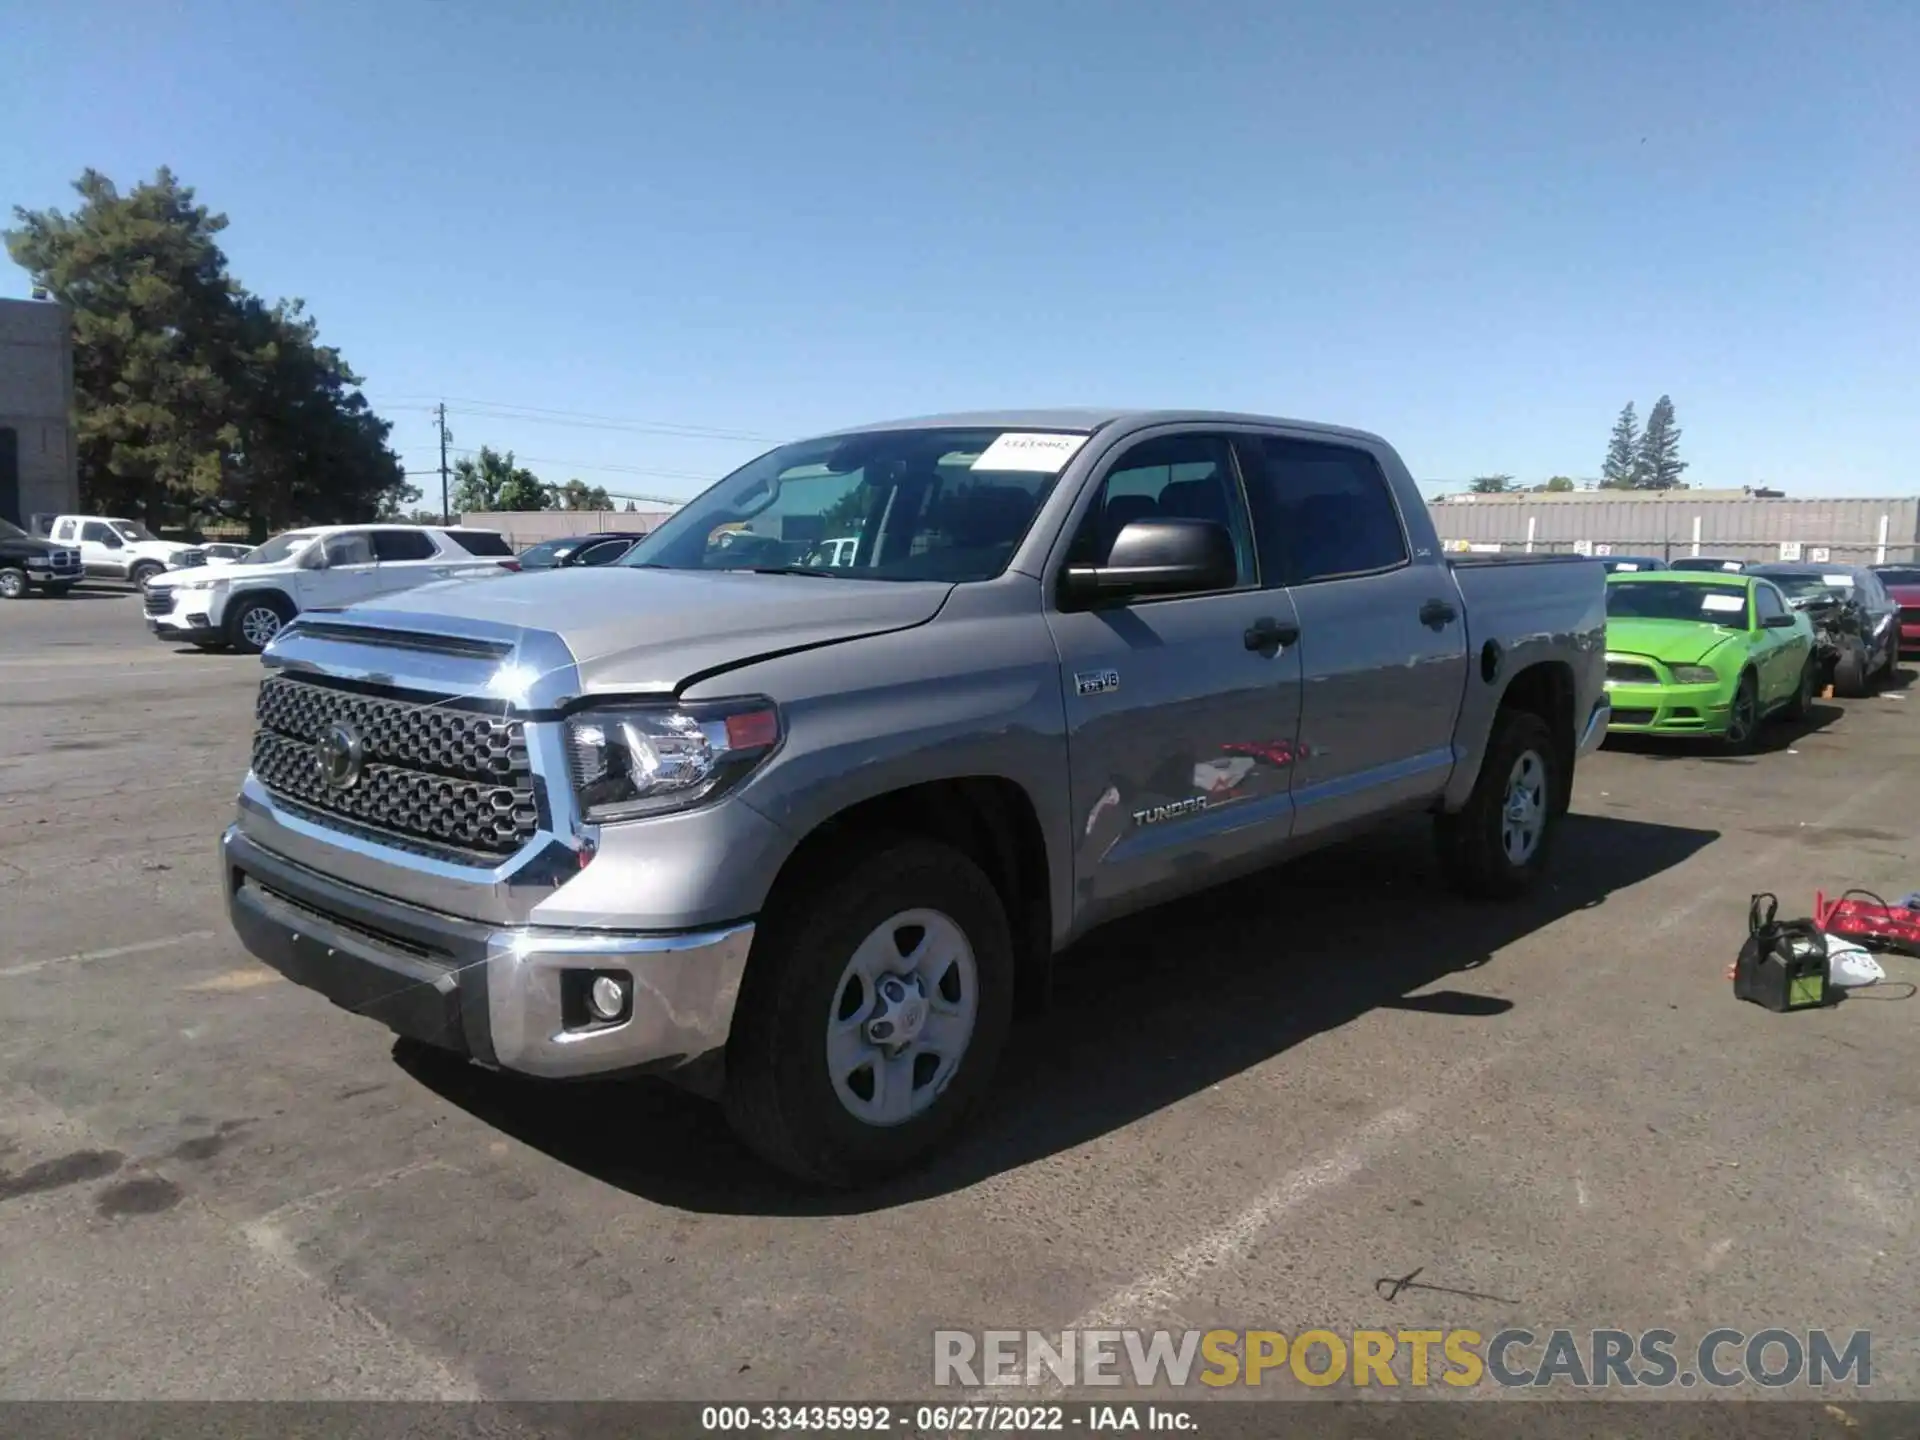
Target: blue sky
{"x": 1476, "y": 227}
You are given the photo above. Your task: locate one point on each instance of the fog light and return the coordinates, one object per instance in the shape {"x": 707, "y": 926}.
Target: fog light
{"x": 607, "y": 998}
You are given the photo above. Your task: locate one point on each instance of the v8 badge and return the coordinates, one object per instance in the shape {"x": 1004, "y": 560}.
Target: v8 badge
{"x": 1097, "y": 682}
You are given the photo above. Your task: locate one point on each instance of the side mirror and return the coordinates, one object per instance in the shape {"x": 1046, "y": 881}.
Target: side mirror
{"x": 1156, "y": 557}
{"x": 314, "y": 559}
{"x": 1778, "y": 622}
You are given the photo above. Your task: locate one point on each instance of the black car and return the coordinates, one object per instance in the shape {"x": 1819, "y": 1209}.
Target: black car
{"x": 29, "y": 563}
{"x": 1710, "y": 562}
{"x": 1631, "y": 564}
{"x": 603, "y": 547}
{"x": 1856, "y": 623}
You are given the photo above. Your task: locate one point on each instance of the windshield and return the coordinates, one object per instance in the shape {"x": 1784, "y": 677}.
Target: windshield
{"x": 547, "y": 554}
{"x": 11, "y": 531}
{"x": 1814, "y": 585}
{"x": 948, "y": 504}
{"x": 1702, "y": 562}
{"x": 281, "y": 547}
{"x": 133, "y": 530}
{"x": 1676, "y": 600}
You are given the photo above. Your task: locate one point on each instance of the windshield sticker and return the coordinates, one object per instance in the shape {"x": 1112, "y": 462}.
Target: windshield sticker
{"x": 1839, "y": 582}
{"x": 1047, "y": 454}
{"x": 1626, "y": 565}
{"x": 1723, "y": 604}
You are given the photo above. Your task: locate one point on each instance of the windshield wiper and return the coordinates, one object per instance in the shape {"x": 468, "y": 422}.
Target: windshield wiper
{"x": 786, "y": 570}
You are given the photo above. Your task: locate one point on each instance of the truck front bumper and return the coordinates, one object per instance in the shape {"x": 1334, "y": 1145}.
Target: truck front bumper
{"x": 514, "y": 998}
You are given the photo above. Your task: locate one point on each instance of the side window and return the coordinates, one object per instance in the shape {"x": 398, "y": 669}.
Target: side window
{"x": 606, "y": 552}
{"x": 1326, "y": 509}
{"x": 66, "y": 531}
{"x": 1767, "y": 602}
{"x": 390, "y": 545}
{"x": 1176, "y": 477}
{"x": 348, "y": 549}
{"x": 99, "y": 534}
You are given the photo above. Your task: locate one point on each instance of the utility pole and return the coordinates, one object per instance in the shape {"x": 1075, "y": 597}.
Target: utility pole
{"x": 446, "y": 505}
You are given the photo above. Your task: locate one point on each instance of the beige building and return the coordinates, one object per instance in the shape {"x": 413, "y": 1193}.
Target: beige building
{"x": 38, "y": 470}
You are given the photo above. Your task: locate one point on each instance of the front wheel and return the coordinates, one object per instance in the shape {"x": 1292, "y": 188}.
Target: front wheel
{"x": 143, "y": 572}
{"x": 1743, "y": 715}
{"x": 1850, "y": 672}
{"x": 1495, "y": 846}
{"x": 873, "y": 1014}
{"x": 13, "y": 583}
{"x": 255, "y": 621}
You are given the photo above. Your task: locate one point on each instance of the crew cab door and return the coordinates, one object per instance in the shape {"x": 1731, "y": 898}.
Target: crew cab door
{"x": 1181, "y": 709}
{"x": 102, "y": 550}
{"x": 1382, "y": 631}
{"x": 346, "y": 575}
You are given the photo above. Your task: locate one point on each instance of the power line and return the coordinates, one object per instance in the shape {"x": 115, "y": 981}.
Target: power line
{"x": 542, "y": 415}
{"x": 703, "y": 477}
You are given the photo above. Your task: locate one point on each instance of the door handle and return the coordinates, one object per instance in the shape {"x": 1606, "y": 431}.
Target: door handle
{"x": 1267, "y": 633}
{"x": 1438, "y": 613}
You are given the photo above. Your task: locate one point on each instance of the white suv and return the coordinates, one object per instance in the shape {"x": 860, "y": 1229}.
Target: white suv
{"x": 244, "y": 604}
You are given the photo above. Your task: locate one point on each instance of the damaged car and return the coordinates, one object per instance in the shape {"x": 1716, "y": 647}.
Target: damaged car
{"x": 1699, "y": 653}
{"x": 1856, "y": 624}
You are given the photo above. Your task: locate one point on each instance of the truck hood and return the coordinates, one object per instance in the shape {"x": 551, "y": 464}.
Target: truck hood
{"x": 1671, "y": 642}
{"x": 631, "y": 629}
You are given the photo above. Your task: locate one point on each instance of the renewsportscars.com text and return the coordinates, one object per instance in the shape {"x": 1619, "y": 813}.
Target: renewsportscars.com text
{"x": 1594, "y": 1359}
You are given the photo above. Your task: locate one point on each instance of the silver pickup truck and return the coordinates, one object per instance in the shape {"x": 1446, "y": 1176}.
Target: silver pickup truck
{"x": 797, "y": 833}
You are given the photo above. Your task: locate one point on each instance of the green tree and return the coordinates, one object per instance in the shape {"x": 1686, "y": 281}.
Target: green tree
{"x": 192, "y": 396}
{"x": 1660, "y": 463}
{"x": 1492, "y": 484}
{"x": 578, "y": 495}
{"x": 1559, "y": 485}
{"x": 150, "y": 296}
{"x": 491, "y": 481}
{"x": 1621, "y": 469}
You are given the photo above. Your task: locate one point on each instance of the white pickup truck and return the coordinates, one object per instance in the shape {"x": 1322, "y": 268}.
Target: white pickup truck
{"x": 113, "y": 549}
{"x": 244, "y": 604}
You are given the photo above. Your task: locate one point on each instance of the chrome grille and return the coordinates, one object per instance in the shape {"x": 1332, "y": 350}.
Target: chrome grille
{"x": 1625, "y": 673}
{"x": 458, "y": 777}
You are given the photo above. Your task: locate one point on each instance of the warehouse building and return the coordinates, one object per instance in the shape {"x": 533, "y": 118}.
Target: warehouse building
{"x": 1732, "y": 524}
{"x": 39, "y": 474}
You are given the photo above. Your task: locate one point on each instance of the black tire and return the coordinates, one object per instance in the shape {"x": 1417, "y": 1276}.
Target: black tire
{"x": 56, "y": 591}
{"x": 780, "y": 1097}
{"x": 1801, "y": 705}
{"x": 1850, "y": 673}
{"x": 1743, "y": 719}
{"x": 13, "y": 583}
{"x": 237, "y": 626}
{"x": 142, "y": 573}
{"x": 1472, "y": 845}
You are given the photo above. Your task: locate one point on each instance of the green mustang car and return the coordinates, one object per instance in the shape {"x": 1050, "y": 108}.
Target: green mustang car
{"x": 1704, "y": 653}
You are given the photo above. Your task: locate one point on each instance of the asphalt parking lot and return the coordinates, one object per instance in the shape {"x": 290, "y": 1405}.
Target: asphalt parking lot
{"x": 1243, "y": 1111}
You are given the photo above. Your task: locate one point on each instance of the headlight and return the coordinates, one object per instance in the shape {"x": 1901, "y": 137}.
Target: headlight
{"x": 1694, "y": 675}
{"x": 634, "y": 760}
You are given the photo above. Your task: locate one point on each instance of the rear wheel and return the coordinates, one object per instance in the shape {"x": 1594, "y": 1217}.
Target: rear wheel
{"x": 13, "y": 583}
{"x": 1743, "y": 715}
{"x": 872, "y": 1016}
{"x": 255, "y": 621}
{"x": 1496, "y": 845}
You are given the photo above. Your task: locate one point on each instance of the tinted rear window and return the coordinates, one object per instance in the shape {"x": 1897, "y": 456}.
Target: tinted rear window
{"x": 481, "y": 542}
